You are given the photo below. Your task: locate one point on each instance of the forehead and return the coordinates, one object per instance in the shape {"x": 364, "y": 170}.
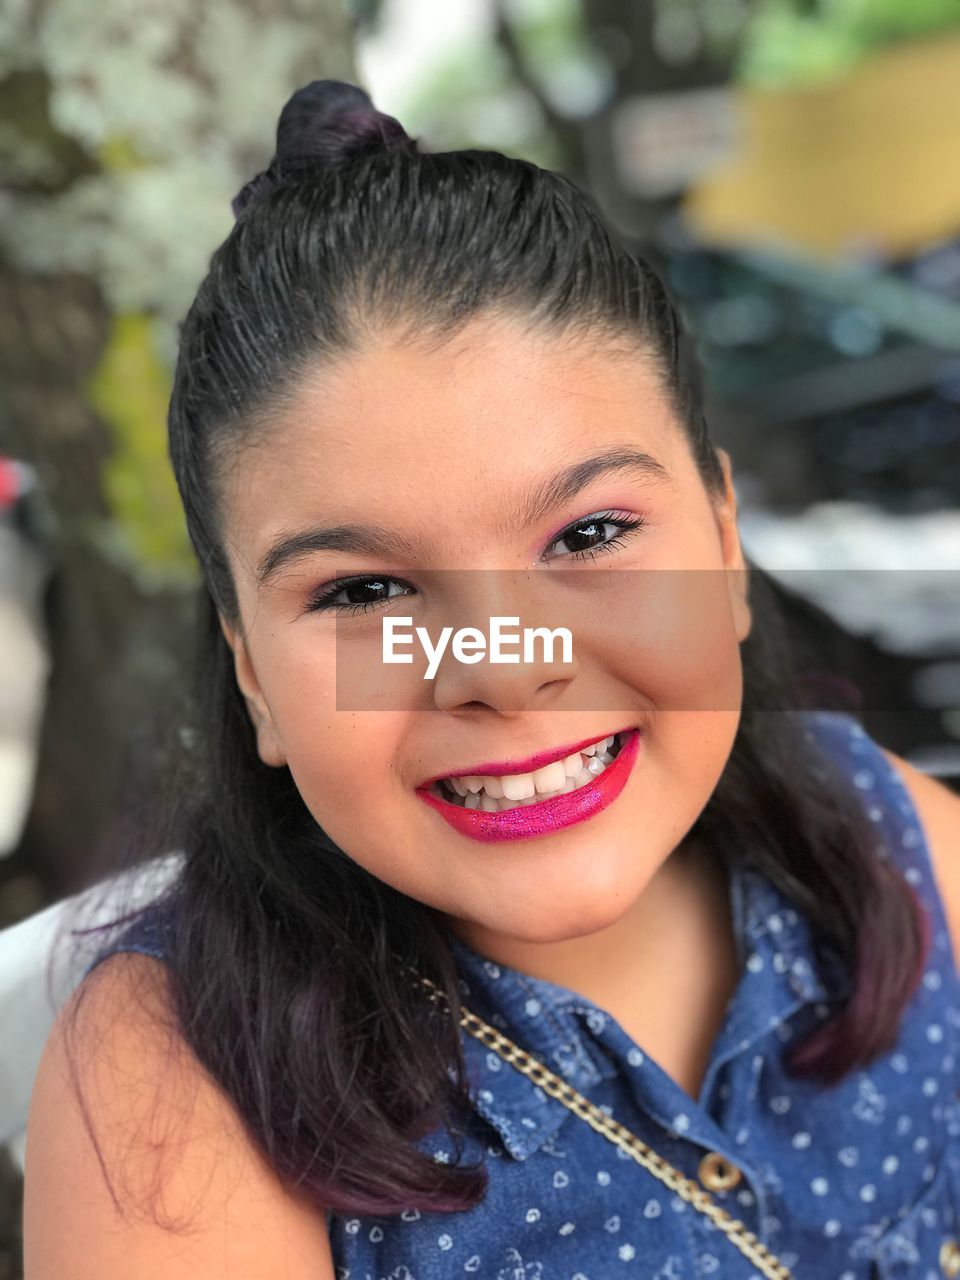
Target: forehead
{"x": 460, "y": 425}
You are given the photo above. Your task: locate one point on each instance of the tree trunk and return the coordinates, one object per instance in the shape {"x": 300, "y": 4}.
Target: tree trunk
{"x": 114, "y": 205}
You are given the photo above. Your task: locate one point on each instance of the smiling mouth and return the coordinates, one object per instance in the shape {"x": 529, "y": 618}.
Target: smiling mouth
{"x": 514, "y": 791}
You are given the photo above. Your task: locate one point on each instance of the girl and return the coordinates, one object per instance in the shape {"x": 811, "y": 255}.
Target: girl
{"x": 590, "y": 965}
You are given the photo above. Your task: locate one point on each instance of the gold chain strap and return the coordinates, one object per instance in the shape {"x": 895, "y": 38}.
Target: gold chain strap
{"x": 757, "y": 1253}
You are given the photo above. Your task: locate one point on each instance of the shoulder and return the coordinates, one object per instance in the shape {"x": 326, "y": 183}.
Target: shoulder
{"x": 139, "y": 1158}
{"x": 938, "y": 809}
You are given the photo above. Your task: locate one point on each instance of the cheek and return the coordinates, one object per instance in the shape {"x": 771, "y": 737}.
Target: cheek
{"x": 690, "y": 750}
{"x": 343, "y": 760}
{"x": 671, "y": 635}
{"x": 343, "y": 764}
{"x": 347, "y": 776}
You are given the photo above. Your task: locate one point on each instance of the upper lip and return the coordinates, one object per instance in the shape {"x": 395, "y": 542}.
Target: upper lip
{"x": 496, "y": 768}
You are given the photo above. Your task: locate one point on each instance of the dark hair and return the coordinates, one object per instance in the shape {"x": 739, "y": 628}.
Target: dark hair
{"x": 283, "y": 962}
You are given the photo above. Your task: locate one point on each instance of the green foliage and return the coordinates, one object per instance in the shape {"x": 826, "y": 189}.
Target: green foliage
{"x": 783, "y": 46}
{"x": 473, "y": 100}
{"x": 554, "y": 41}
{"x": 130, "y": 390}
{"x": 551, "y": 33}
{"x": 474, "y": 97}
{"x": 483, "y": 95}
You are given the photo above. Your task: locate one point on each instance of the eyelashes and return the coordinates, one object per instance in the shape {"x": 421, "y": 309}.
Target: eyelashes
{"x": 324, "y": 600}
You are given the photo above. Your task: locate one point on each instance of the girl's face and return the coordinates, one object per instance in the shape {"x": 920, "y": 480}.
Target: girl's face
{"x": 453, "y": 452}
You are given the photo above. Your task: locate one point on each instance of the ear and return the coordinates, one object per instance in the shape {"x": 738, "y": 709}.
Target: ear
{"x": 269, "y": 747}
{"x": 738, "y": 577}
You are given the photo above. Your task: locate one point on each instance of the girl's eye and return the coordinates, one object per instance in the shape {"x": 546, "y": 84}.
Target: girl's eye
{"x": 373, "y": 591}
{"x": 590, "y": 528}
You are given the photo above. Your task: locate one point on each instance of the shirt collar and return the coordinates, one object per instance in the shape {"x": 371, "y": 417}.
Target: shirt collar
{"x": 523, "y": 1008}
{"x": 781, "y": 968}
{"x": 581, "y": 1042}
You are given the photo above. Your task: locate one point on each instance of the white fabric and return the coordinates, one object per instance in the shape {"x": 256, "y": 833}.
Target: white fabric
{"x": 27, "y": 1007}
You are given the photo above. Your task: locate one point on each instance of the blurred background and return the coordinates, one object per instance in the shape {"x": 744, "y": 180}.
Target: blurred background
{"x": 791, "y": 169}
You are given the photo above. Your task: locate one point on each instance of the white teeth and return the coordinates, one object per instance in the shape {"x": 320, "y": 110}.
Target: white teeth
{"x": 512, "y": 790}
{"x": 518, "y": 786}
{"x": 550, "y": 778}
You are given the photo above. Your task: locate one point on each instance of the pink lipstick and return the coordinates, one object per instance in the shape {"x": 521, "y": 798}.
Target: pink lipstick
{"x": 546, "y": 816}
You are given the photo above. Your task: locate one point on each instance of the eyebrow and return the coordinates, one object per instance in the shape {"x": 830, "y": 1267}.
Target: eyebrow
{"x": 371, "y": 539}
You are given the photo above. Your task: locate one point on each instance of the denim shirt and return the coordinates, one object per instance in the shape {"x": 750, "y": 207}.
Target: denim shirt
{"x": 854, "y": 1181}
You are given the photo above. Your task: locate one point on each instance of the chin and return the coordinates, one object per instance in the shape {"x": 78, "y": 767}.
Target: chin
{"x": 572, "y": 916}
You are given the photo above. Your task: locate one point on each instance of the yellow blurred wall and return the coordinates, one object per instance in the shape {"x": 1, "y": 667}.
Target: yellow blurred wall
{"x": 874, "y": 157}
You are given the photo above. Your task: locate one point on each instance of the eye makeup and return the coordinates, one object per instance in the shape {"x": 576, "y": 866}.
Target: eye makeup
{"x": 324, "y": 600}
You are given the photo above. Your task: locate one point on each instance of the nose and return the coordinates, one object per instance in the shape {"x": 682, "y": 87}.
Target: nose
{"x": 535, "y": 672}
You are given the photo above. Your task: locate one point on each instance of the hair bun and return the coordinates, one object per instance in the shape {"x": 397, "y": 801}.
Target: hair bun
{"x": 322, "y": 124}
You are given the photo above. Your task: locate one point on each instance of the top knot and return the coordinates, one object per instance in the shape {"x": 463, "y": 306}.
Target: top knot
{"x": 322, "y": 124}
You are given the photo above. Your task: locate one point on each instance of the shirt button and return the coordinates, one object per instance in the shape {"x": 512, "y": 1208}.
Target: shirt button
{"x": 950, "y": 1258}
{"x": 718, "y": 1174}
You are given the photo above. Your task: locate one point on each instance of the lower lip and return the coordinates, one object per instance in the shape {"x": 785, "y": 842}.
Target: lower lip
{"x": 546, "y": 816}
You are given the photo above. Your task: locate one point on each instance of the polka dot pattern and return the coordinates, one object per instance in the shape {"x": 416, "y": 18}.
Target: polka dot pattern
{"x": 859, "y": 1181}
